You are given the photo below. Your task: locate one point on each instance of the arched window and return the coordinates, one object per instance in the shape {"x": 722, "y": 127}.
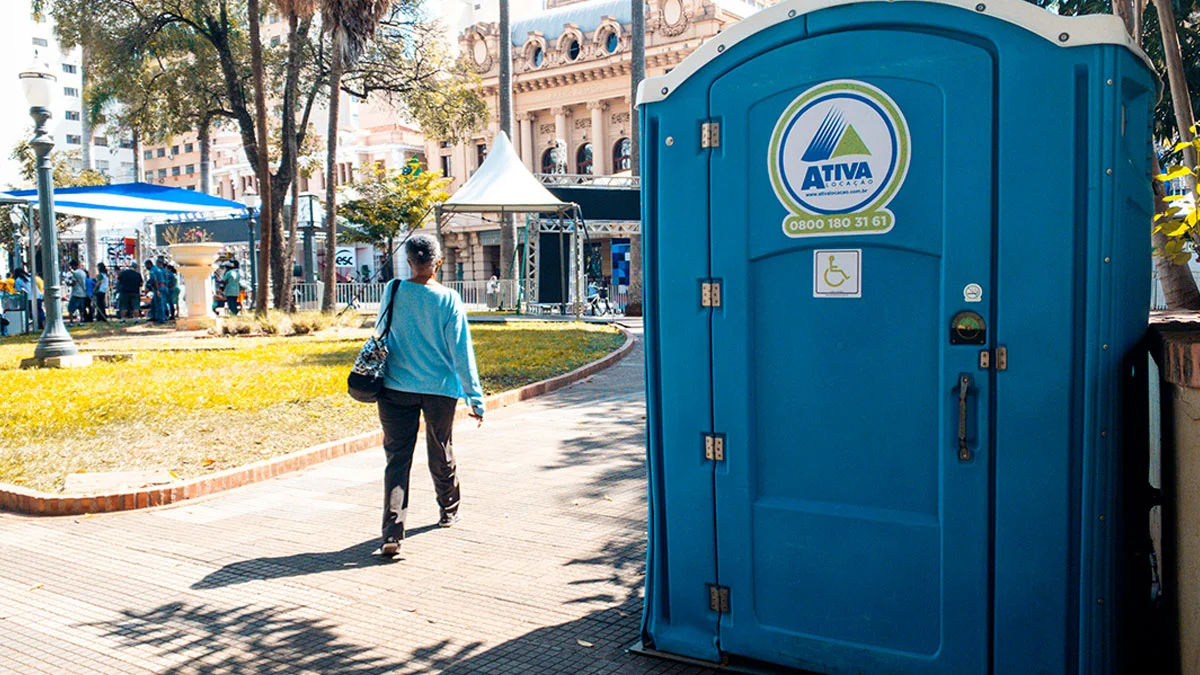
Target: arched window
{"x": 621, "y": 152}
{"x": 550, "y": 163}
{"x": 583, "y": 159}
{"x": 538, "y": 57}
{"x": 611, "y": 42}
{"x": 573, "y": 49}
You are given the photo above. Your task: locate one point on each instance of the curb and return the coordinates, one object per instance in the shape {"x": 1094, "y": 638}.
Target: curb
{"x": 20, "y": 500}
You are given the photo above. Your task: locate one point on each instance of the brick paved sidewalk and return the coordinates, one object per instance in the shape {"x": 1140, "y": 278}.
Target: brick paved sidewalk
{"x": 543, "y": 574}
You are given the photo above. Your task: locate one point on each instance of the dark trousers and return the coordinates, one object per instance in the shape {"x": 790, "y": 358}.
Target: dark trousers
{"x": 399, "y": 414}
{"x": 231, "y": 302}
{"x": 101, "y": 300}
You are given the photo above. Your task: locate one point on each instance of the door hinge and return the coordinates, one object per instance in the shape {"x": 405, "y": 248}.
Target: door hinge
{"x": 710, "y": 293}
{"x": 986, "y": 360}
{"x": 710, "y": 135}
{"x": 714, "y": 447}
{"x": 718, "y": 598}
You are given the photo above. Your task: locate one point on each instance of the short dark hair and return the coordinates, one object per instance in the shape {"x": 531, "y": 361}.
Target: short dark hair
{"x": 423, "y": 249}
{"x": 74, "y": 263}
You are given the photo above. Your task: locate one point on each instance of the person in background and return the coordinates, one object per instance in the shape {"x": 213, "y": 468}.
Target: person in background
{"x": 100, "y": 294}
{"x": 218, "y": 298}
{"x": 430, "y": 365}
{"x": 156, "y": 285}
{"x": 88, "y": 302}
{"x": 77, "y": 279}
{"x": 231, "y": 287}
{"x": 172, "y": 292}
{"x": 32, "y": 291}
{"x": 129, "y": 288}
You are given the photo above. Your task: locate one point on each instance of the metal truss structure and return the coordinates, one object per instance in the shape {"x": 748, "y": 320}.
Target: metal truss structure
{"x": 588, "y": 180}
{"x": 579, "y": 232}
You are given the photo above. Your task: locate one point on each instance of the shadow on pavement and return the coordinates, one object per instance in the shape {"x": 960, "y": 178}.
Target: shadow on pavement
{"x": 242, "y": 639}
{"x": 300, "y": 564}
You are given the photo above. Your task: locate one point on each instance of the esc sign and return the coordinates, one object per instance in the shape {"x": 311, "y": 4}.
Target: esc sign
{"x": 344, "y": 257}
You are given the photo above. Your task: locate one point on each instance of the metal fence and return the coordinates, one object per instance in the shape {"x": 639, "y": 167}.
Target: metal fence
{"x": 308, "y": 295}
{"x": 484, "y": 295}
{"x": 475, "y": 294}
{"x": 1157, "y": 299}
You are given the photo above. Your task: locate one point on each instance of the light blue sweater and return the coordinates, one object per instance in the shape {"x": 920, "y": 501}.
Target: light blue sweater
{"x": 429, "y": 345}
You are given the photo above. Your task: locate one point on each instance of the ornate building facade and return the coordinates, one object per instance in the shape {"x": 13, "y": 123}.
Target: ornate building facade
{"x": 572, "y": 103}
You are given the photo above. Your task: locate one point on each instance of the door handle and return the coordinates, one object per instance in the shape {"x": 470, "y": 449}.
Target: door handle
{"x": 964, "y": 387}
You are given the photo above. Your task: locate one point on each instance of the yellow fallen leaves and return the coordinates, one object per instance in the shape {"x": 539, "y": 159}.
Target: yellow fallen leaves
{"x": 197, "y": 393}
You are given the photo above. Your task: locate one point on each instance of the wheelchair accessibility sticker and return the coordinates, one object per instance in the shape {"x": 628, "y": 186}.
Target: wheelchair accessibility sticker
{"x": 837, "y": 274}
{"x": 838, "y": 155}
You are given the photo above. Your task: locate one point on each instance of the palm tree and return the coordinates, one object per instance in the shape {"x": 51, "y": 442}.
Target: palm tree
{"x": 262, "y": 169}
{"x": 295, "y": 11}
{"x": 350, "y": 24}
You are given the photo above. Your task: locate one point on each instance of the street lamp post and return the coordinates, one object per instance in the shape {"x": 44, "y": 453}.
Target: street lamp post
{"x": 55, "y": 342}
{"x": 308, "y": 225}
{"x": 252, "y": 201}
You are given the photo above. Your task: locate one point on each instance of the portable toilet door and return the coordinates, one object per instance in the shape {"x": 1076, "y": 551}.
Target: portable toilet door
{"x": 899, "y": 295}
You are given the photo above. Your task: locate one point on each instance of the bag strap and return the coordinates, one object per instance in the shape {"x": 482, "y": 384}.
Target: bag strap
{"x": 387, "y": 322}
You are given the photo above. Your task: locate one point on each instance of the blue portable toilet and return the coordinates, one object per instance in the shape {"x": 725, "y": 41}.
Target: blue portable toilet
{"x": 895, "y": 253}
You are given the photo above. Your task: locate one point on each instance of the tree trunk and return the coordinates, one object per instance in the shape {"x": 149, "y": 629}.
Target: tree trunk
{"x": 638, "y": 70}
{"x": 1181, "y": 99}
{"x": 330, "y": 268}
{"x": 286, "y": 299}
{"x": 91, "y": 244}
{"x": 279, "y": 190}
{"x": 262, "y": 169}
{"x": 137, "y": 156}
{"x": 205, "y": 142}
{"x": 509, "y": 270}
{"x": 1179, "y": 286}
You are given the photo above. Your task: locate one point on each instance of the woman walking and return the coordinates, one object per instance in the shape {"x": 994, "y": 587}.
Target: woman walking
{"x": 430, "y": 365}
{"x": 100, "y": 294}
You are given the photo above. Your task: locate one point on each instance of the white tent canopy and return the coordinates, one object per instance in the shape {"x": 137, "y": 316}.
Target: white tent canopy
{"x": 502, "y": 184}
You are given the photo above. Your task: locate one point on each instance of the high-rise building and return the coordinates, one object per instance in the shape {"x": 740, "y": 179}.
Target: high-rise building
{"x": 22, "y": 35}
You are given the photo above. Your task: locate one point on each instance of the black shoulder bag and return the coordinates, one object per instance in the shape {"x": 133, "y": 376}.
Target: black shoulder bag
{"x": 366, "y": 378}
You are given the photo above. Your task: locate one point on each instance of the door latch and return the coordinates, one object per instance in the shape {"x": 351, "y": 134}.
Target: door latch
{"x": 964, "y": 387}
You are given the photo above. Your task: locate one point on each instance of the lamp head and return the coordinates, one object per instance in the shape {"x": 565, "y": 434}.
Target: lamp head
{"x": 38, "y": 81}
{"x": 250, "y": 198}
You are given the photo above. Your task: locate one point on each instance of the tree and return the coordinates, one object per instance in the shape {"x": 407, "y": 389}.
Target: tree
{"x": 350, "y": 24}
{"x": 295, "y": 11}
{"x": 183, "y": 62}
{"x": 262, "y": 169}
{"x": 386, "y": 203}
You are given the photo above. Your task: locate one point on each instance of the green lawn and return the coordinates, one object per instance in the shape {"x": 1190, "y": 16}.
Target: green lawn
{"x": 199, "y": 405}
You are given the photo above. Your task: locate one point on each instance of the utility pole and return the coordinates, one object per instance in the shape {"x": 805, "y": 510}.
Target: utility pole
{"x": 508, "y": 227}
{"x": 637, "y": 70}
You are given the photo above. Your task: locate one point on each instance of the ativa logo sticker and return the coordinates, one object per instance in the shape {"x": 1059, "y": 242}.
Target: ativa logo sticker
{"x": 838, "y": 154}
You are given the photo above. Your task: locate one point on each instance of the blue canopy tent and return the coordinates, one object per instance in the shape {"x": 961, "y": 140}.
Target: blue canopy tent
{"x": 136, "y": 202}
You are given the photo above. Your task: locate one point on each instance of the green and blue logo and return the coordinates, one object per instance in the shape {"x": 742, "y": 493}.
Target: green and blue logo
{"x": 838, "y": 154}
